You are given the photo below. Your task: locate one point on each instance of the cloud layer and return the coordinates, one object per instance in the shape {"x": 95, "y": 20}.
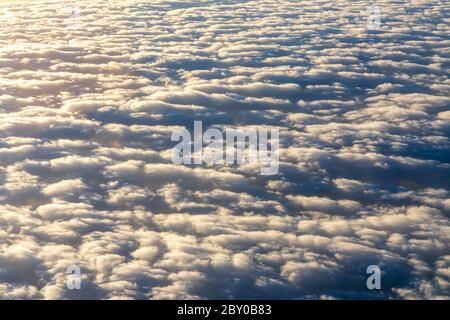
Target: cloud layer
{"x": 86, "y": 178}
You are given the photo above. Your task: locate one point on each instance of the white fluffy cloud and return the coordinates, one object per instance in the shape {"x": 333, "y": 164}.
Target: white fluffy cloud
{"x": 86, "y": 113}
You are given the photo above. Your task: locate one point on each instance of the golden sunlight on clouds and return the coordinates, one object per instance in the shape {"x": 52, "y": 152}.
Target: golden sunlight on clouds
{"x": 92, "y": 91}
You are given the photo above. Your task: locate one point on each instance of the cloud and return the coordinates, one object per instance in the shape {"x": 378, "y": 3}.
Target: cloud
{"x": 86, "y": 177}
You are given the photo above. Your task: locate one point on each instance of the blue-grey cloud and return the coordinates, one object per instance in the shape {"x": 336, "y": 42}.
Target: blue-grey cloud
{"x": 86, "y": 178}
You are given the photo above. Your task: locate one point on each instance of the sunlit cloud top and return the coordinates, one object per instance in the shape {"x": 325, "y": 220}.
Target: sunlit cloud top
{"x": 90, "y": 93}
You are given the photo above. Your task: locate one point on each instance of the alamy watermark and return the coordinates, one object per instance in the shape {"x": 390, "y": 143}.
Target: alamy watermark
{"x": 231, "y": 147}
{"x": 73, "y": 281}
{"x": 373, "y": 17}
{"x": 374, "y": 280}
{"x": 73, "y": 19}
{"x": 6, "y": 14}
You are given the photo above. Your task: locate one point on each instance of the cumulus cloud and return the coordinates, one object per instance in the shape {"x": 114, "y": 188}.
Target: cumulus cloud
{"x": 86, "y": 178}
